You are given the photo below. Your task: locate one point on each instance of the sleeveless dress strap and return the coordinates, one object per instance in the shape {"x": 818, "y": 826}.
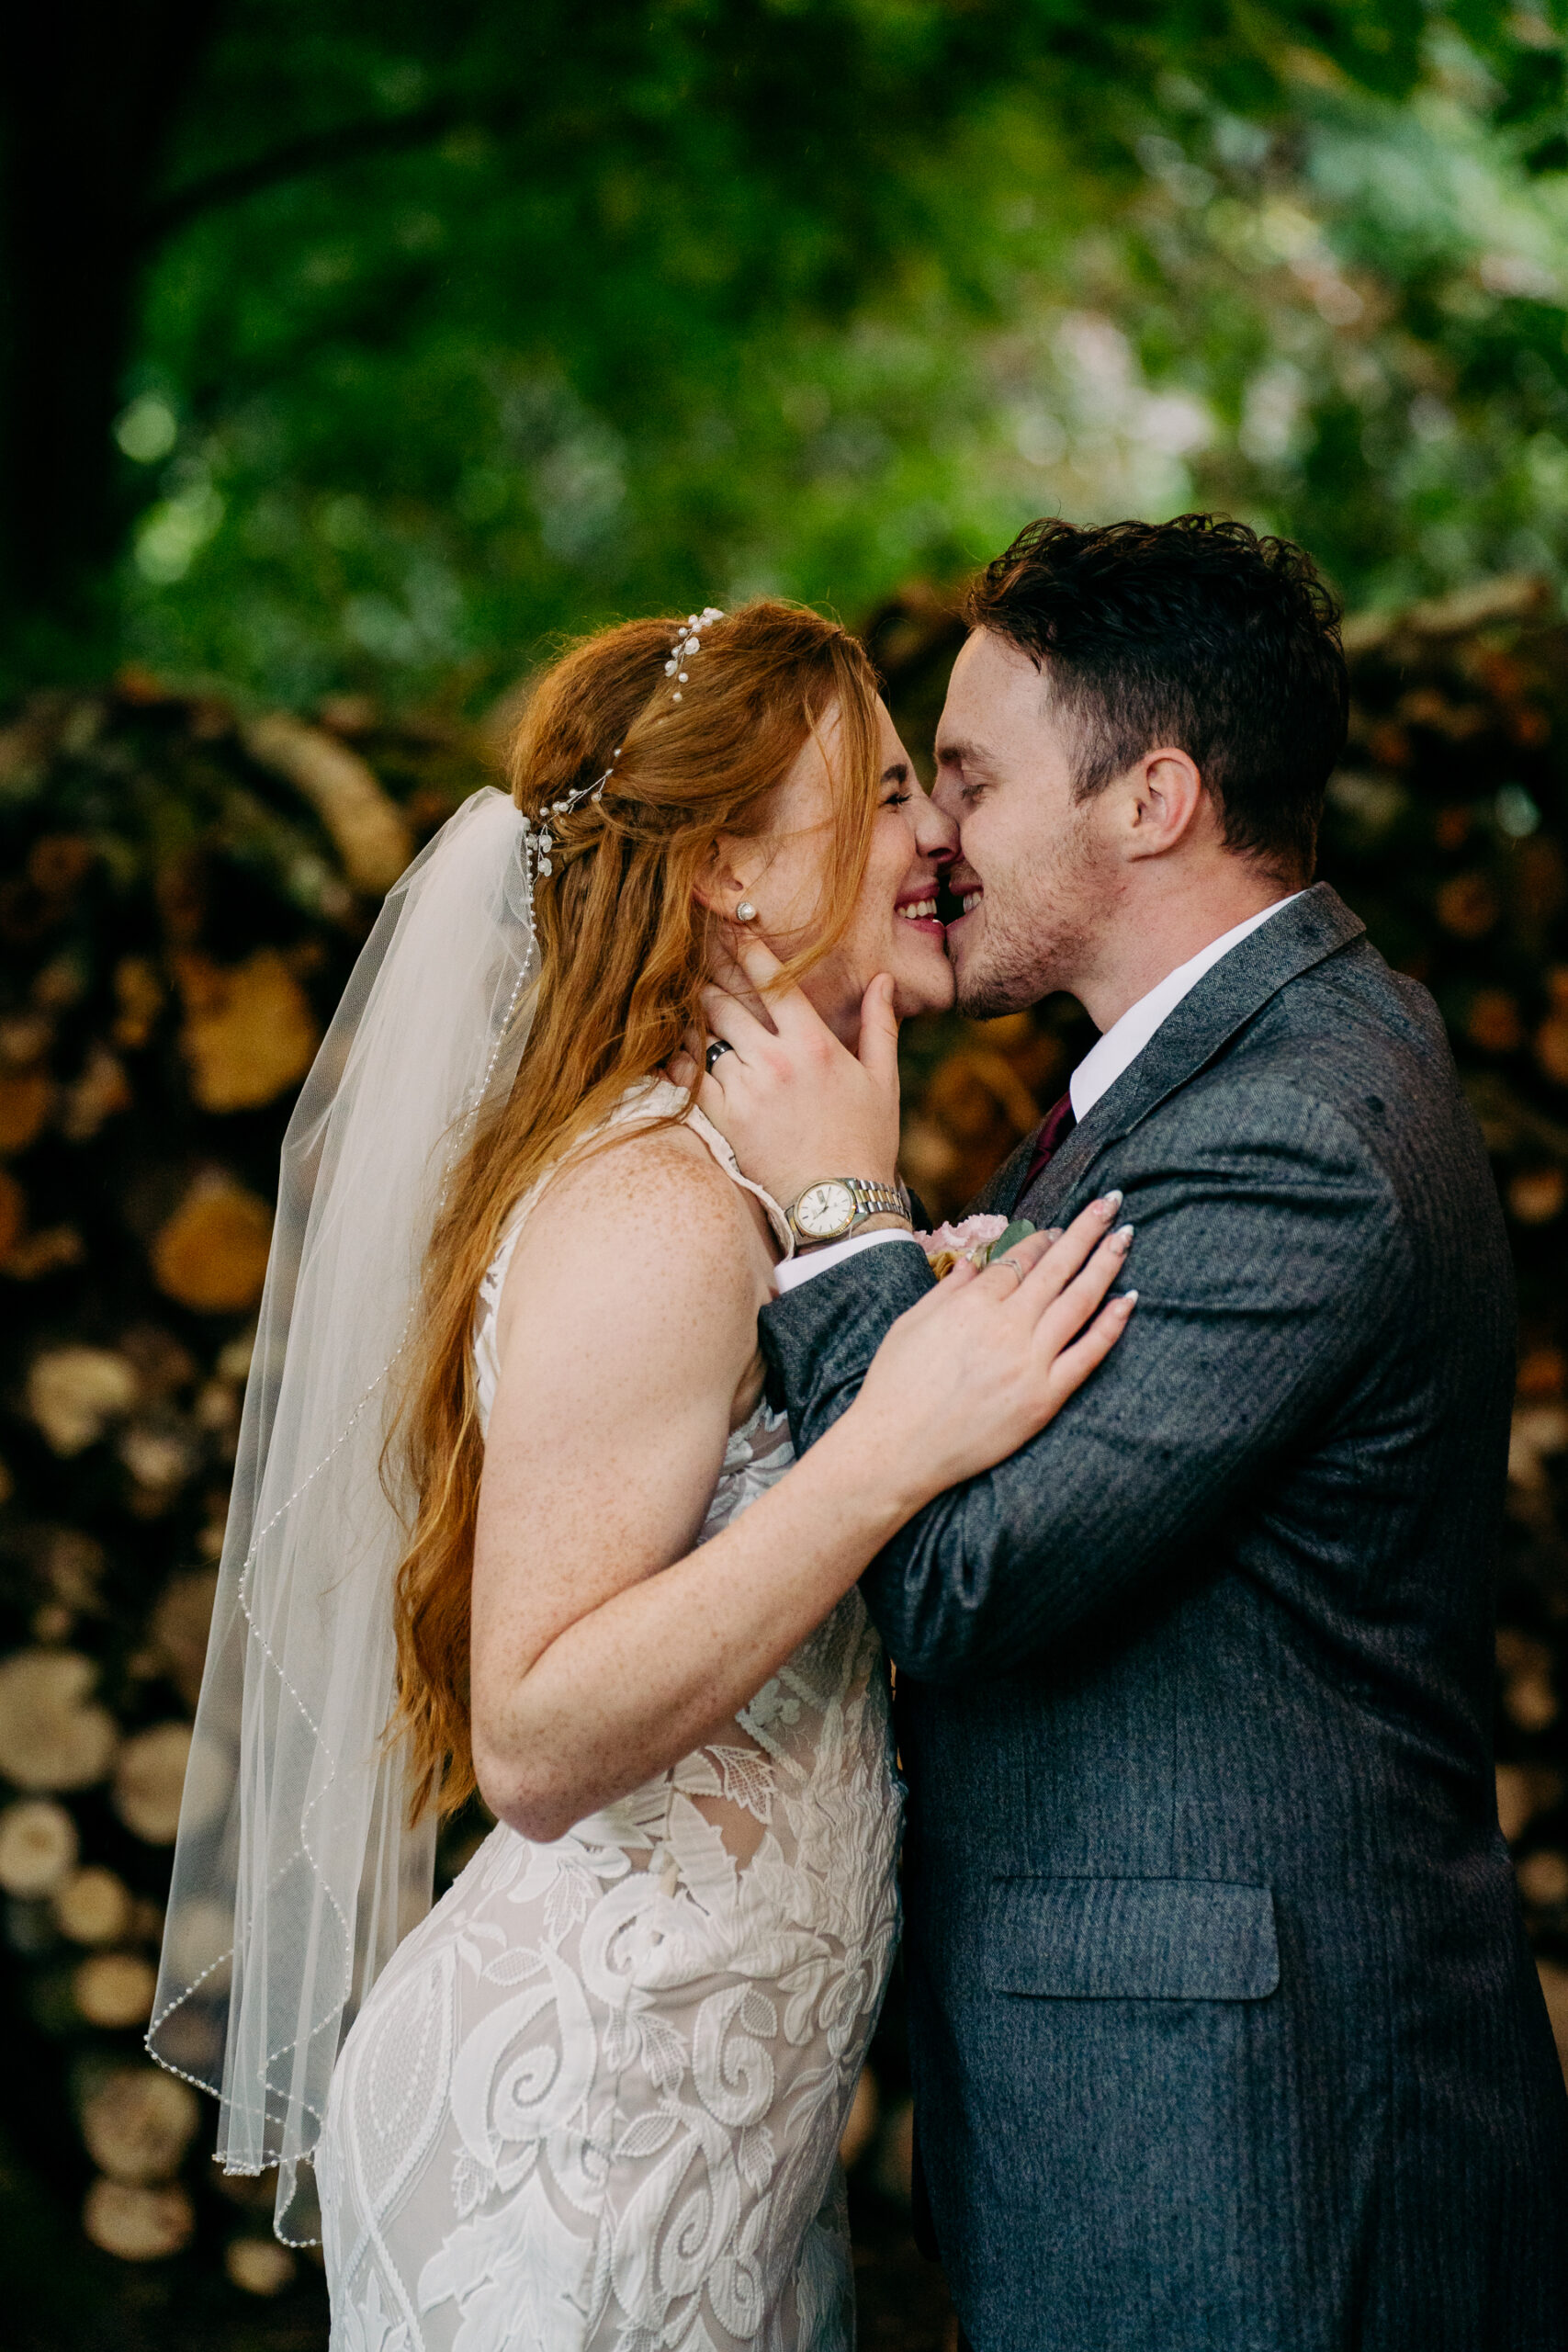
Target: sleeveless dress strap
{"x": 719, "y": 1147}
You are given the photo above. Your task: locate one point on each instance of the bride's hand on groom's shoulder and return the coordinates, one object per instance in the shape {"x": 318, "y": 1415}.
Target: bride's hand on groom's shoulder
{"x": 794, "y": 1104}
{"x": 986, "y": 1359}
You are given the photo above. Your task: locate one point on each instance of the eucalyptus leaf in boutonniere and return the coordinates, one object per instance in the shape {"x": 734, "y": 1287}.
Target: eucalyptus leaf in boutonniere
{"x": 978, "y": 1238}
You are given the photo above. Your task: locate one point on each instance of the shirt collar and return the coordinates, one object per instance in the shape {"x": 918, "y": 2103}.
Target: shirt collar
{"x": 1125, "y": 1040}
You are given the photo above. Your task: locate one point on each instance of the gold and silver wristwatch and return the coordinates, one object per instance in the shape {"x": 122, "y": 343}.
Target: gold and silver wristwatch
{"x": 840, "y": 1205}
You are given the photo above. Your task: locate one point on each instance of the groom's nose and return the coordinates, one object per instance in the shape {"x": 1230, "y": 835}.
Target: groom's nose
{"x": 945, "y": 794}
{"x": 937, "y": 836}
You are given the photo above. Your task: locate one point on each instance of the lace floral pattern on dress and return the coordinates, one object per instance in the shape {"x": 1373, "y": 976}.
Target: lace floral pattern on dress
{"x": 593, "y": 2105}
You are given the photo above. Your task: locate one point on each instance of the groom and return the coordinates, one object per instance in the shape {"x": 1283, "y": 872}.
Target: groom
{"x": 1225, "y": 2030}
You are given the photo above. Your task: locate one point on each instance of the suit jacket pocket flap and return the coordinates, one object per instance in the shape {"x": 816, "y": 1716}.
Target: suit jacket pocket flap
{"x": 1132, "y": 1939}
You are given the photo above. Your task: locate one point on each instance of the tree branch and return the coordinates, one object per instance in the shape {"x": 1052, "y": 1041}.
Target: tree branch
{"x": 316, "y": 151}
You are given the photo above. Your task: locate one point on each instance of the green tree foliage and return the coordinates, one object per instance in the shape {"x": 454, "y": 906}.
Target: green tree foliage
{"x": 429, "y": 331}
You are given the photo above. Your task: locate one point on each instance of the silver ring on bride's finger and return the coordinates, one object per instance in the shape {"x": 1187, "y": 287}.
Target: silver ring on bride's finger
{"x": 719, "y": 1045}
{"x": 1012, "y": 1266}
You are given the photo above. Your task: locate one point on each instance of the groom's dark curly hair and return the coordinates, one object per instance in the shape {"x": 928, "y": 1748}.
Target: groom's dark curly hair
{"x": 1196, "y": 633}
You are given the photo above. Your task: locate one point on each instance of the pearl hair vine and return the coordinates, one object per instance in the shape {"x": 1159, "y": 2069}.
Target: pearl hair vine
{"x": 538, "y": 840}
{"x": 688, "y": 643}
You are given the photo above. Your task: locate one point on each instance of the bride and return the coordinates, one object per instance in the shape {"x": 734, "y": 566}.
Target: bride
{"x": 513, "y": 1514}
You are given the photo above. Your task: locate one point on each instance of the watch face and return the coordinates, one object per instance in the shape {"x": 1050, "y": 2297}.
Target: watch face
{"x": 825, "y": 1210}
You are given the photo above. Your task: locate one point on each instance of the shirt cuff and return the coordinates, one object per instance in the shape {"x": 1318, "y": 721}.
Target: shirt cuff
{"x": 791, "y": 1271}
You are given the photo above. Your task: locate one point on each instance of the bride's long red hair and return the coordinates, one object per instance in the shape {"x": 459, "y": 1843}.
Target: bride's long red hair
{"x": 626, "y": 948}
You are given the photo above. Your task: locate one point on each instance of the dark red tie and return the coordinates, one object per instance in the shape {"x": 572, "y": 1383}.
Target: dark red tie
{"x": 1058, "y": 1126}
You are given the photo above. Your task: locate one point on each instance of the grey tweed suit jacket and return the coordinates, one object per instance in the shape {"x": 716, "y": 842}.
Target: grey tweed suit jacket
{"x": 1225, "y": 2030}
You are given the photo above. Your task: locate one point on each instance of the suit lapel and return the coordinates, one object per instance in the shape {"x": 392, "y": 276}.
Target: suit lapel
{"x": 1201, "y": 1027}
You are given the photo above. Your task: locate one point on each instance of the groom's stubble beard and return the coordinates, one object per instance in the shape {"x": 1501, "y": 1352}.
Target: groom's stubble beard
{"x": 1043, "y": 920}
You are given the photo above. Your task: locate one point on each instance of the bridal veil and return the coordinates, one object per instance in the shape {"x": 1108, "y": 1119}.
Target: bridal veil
{"x": 296, "y": 1872}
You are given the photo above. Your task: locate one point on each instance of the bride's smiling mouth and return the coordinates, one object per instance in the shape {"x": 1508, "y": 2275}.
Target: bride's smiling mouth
{"x": 918, "y": 908}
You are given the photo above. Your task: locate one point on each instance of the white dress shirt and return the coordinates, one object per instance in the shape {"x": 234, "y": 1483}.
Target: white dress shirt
{"x": 1098, "y": 1072}
{"x": 1125, "y": 1040}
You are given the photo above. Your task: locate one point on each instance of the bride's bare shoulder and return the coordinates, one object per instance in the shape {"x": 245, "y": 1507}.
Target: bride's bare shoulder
{"x": 655, "y": 1203}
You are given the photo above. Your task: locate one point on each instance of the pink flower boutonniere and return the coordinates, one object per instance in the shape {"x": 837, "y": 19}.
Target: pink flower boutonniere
{"x": 973, "y": 1237}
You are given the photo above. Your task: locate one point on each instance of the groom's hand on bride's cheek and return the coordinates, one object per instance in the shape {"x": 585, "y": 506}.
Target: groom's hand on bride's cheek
{"x": 796, "y": 1104}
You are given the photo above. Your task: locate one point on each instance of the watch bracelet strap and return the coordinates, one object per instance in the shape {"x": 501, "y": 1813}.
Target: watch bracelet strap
{"x": 877, "y": 1200}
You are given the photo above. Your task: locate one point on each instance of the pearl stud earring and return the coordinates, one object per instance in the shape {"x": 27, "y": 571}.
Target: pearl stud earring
{"x": 745, "y": 911}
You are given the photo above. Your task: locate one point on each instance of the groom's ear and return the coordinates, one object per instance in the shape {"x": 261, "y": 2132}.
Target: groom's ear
{"x": 1164, "y": 802}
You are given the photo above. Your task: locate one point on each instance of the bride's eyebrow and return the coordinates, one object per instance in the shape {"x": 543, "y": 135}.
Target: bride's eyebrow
{"x": 897, "y": 773}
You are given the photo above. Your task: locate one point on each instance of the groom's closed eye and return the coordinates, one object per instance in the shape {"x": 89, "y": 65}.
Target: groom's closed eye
{"x": 966, "y": 766}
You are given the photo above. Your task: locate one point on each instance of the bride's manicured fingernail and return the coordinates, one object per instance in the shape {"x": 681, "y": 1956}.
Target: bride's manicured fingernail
{"x": 1109, "y": 1206}
{"x": 1128, "y": 1300}
{"x": 1053, "y": 1233}
{"x": 1123, "y": 1237}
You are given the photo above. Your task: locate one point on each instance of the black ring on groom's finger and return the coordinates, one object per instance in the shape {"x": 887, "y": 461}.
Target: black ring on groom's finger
{"x": 719, "y": 1045}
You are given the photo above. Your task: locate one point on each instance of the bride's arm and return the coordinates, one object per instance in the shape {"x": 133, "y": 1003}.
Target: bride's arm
{"x": 603, "y": 1645}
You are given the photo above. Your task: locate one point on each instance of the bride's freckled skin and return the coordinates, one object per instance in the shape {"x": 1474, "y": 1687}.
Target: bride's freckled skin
{"x": 894, "y": 927}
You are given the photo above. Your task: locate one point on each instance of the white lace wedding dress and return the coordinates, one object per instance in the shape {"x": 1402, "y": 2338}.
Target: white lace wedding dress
{"x": 594, "y": 2104}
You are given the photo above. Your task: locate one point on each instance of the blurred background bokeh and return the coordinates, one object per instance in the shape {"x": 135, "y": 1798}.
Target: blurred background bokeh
{"x": 351, "y": 356}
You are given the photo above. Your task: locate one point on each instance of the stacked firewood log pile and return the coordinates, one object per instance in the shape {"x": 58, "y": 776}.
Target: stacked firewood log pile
{"x": 183, "y": 886}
